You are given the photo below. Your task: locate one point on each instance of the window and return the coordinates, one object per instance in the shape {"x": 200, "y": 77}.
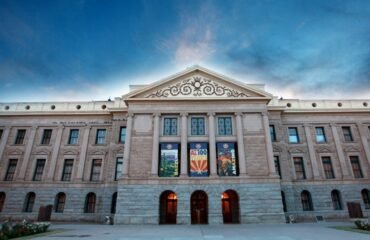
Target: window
{"x": 60, "y": 201}
{"x": 29, "y": 202}
{"x": 277, "y": 165}
{"x": 225, "y": 126}
{"x": 95, "y": 170}
{"x": 320, "y": 135}
{"x": 272, "y": 133}
{"x": 20, "y": 136}
{"x": 170, "y": 126}
{"x": 299, "y": 168}
{"x": 119, "y": 164}
{"x": 67, "y": 170}
{"x": 293, "y": 135}
{"x": 46, "y": 136}
{"x": 347, "y": 134}
{"x": 40, "y": 164}
{"x": 356, "y": 168}
{"x": 169, "y": 160}
{"x": 100, "y": 136}
{"x": 114, "y": 203}
{"x": 73, "y": 136}
{"x": 366, "y": 198}
{"x": 328, "y": 167}
{"x": 2, "y": 200}
{"x": 1, "y": 133}
{"x": 306, "y": 201}
{"x": 90, "y": 203}
{"x": 197, "y": 126}
{"x": 227, "y": 160}
{"x": 283, "y": 200}
{"x": 11, "y": 170}
{"x": 122, "y": 135}
{"x": 335, "y": 198}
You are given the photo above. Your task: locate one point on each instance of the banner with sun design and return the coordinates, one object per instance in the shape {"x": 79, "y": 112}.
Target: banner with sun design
{"x": 169, "y": 160}
{"x": 226, "y": 159}
{"x": 198, "y": 159}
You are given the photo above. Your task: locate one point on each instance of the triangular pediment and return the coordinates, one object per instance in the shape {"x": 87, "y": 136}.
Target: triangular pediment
{"x": 197, "y": 82}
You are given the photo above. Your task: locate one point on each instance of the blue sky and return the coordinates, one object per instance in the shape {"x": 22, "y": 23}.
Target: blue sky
{"x": 91, "y": 50}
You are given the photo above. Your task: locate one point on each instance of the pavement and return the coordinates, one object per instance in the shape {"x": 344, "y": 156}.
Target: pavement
{"x": 299, "y": 231}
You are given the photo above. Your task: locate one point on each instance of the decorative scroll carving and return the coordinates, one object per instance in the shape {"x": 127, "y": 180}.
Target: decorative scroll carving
{"x": 197, "y": 87}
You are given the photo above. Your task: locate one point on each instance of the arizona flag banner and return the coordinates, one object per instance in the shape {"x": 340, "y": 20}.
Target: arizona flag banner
{"x": 199, "y": 160}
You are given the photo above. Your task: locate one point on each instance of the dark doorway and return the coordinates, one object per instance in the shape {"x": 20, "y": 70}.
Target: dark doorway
{"x": 230, "y": 206}
{"x": 199, "y": 208}
{"x": 354, "y": 210}
{"x": 168, "y": 208}
{"x": 45, "y": 213}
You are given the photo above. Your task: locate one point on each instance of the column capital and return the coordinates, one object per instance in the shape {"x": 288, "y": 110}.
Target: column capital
{"x": 333, "y": 125}
{"x": 130, "y": 115}
{"x": 306, "y": 125}
{"x": 211, "y": 114}
{"x": 184, "y": 114}
{"x": 156, "y": 114}
{"x": 239, "y": 114}
{"x": 34, "y": 127}
{"x": 264, "y": 113}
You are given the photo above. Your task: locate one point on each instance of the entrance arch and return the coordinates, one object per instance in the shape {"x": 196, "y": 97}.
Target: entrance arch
{"x": 168, "y": 208}
{"x": 230, "y": 206}
{"x": 199, "y": 207}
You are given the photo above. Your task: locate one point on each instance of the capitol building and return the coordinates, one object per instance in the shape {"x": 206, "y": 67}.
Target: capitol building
{"x": 194, "y": 148}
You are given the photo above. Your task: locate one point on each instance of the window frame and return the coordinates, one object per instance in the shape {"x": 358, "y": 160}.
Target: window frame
{"x": 59, "y": 205}
{"x": 69, "y": 173}
{"x": 122, "y": 137}
{"x": 355, "y": 172}
{"x": 365, "y": 195}
{"x": 336, "y": 200}
{"x": 119, "y": 161}
{"x": 29, "y": 202}
{"x": 1, "y": 133}
{"x": 347, "y": 136}
{"x": 46, "y": 138}
{"x": 19, "y": 138}
{"x": 10, "y": 174}
{"x": 296, "y": 135}
{"x": 323, "y": 135}
{"x": 204, "y": 127}
{"x": 164, "y": 123}
{"x": 328, "y": 172}
{"x": 301, "y": 163}
{"x": 277, "y": 165}
{"x": 272, "y": 130}
{"x": 218, "y": 118}
{"x": 39, "y": 169}
{"x": 96, "y": 169}
{"x": 90, "y": 203}
{"x": 307, "y": 204}
{"x": 73, "y": 140}
{"x": 2, "y": 200}
{"x": 100, "y": 138}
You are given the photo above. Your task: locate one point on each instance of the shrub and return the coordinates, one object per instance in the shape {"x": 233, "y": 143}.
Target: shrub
{"x": 363, "y": 224}
{"x": 12, "y": 230}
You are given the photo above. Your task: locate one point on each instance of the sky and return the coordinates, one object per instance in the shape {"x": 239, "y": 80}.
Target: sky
{"x": 74, "y": 50}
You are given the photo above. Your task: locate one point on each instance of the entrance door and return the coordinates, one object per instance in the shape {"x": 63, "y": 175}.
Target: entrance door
{"x": 168, "y": 208}
{"x": 354, "y": 210}
{"x": 45, "y": 213}
{"x": 199, "y": 208}
{"x": 230, "y": 207}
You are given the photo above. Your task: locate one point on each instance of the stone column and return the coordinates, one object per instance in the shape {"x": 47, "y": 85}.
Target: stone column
{"x": 240, "y": 139}
{"x": 269, "y": 150}
{"x": 54, "y": 155}
{"x": 364, "y": 141}
{"x": 338, "y": 146}
{"x": 27, "y": 154}
{"x": 311, "y": 151}
{"x": 184, "y": 145}
{"x": 212, "y": 144}
{"x": 155, "y": 151}
{"x": 4, "y": 140}
{"x": 126, "y": 153}
{"x": 84, "y": 145}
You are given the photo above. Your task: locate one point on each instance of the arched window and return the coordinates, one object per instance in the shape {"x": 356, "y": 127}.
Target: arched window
{"x": 306, "y": 201}
{"x": 2, "y": 200}
{"x": 60, "y": 201}
{"x": 335, "y": 198}
{"x": 168, "y": 207}
{"x": 366, "y": 198}
{"x": 230, "y": 206}
{"x": 114, "y": 203}
{"x": 283, "y": 200}
{"x": 90, "y": 203}
{"x": 29, "y": 202}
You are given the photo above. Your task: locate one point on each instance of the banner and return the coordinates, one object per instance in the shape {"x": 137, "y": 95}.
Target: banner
{"x": 226, "y": 159}
{"x": 169, "y": 160}
{"x": 198, "y": 159}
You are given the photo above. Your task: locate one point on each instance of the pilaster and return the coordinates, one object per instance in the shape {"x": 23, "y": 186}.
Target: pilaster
{"x": 155, "y": 151}
{"x": 311, "y": 151}
{"x": 184, "y": 144}
{"x": 240, "y": 139}
{"x": 126, "y": 153}
{"x": 212, "y": 144}
{"x": 338, "y": 146}
{"x": 4, "y": 140}
{"x": 27, "y": 154}
{"x": 364, "y": 141}
{"x": 84, "y": 145}
{"x": 54, "y": 156}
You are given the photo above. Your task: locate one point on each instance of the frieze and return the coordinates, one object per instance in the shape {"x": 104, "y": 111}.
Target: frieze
{"x": 197, "y": 87}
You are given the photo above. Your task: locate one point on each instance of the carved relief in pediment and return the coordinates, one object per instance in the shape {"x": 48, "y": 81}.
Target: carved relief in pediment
{"x": 276, "y": 148}
{"x": 14, "y": 152}
{"x": 351, "y": 149}
{"x": 99, "y": 152}
{"x": 323, "y": 150}
{"x": 296, "y": 150}
{"x": 70, "y": 152}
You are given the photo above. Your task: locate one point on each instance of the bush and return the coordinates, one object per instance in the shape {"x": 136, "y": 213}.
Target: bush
{"x": 363, "y": 224}
{"x": 13, "y": 230}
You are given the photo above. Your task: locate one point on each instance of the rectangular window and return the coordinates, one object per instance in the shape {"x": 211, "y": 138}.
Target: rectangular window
{"x": 197, "y": 126}
{"x": 40, "y": 164}
{"x": 67, "y": 170}
{"x": 320, "y": 135}
{"x": 169, "y": 160}
{"x": 225, "y": 126}
{"x": 100, "y": 136}
{"x": 277, "y": 165}
{"x": 95, "y": 170}
{"x": 356, "y": 167}
{"x": 299, "y": 168}
{"x": 293, "y": 135}
{"x": 1, "y": 133}
{"x": 170, "y": 126}
{"x": 46, "y": 136}
{"x": 122, "y": 135}
{"x": 20, "y": 136}
{"x": 198, "y": 155}
{"x": 347, "y": 134}
{"x": 73, "y": 136}
{"x": 119, "y": 164}
{"x": 328, "y": 167}
{"x": 272, "y": 133}
{"x": 227, "y": 161}
{"x": 11, "y": 170}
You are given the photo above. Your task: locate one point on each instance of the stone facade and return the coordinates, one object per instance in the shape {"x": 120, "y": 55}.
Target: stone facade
{"x": 193, "y": 93}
